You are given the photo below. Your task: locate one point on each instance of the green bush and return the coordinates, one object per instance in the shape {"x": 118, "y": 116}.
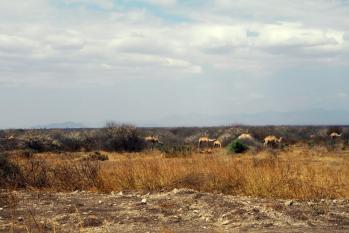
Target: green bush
{"x": 237, "y": 147}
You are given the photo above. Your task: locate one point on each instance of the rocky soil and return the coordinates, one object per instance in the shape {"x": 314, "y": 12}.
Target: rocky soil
{"x": 180, "y": 210}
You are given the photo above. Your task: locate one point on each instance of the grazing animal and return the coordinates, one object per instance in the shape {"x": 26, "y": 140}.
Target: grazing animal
{"x": 205, "y": 140}
{"x": 272, "y": 140}
{"x": 246, "y": 136}
{"x": 153, "y": 140}
{"x": 217, "y": 144}
{"x": 335, "y": 135}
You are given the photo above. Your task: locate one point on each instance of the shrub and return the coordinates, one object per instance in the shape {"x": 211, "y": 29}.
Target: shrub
{"x": 9, "y": 172}
{"x": 97, "y": 156}
{"x": 27, "y": 153}
{"x": 176, "y": 150}
{"x": 122, "y": 138}
{"x": 237, "y": 147}
{"x": 72, "y": 141}
{"x": 36, "y": 144}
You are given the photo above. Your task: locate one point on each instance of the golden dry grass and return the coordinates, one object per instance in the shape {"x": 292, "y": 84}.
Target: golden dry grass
{"x": 298, "y": 173}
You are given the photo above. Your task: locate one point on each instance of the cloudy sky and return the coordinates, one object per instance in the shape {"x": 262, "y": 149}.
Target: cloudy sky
{"x": 95, "y": 60}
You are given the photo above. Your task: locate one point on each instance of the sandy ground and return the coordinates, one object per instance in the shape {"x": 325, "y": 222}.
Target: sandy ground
{"x": 179, "y": 210}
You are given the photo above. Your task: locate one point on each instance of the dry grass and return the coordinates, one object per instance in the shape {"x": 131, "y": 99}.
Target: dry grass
{"x": 298, "y": 173}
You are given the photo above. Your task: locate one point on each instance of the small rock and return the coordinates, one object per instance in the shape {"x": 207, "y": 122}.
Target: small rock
{"x": 1, "y": 208}
{"x": 76, "y": 191}
{"x": 289, "y": 203}
{"x": 100, "y": 202}
{"x": 175, "y": 191}
{"x": 322, "y": 200}
{"x": 334, "y": 201}
{"x": 120, "y": 193}
{"x": 195, "y": 211}
{"x": 175, "y": 219}
{"x": 226, "y": 222}
{"x": 20, "y": 219}
{"x": 112, "y": 193}
{"x": 144, "y": 201}
{"x": 114, "y": 204}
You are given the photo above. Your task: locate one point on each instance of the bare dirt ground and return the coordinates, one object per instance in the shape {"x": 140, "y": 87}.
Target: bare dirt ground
{"x": 179, "y": 210}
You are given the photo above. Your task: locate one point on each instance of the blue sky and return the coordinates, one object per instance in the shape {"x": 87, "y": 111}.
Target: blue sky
{"x": 91, "y": 61}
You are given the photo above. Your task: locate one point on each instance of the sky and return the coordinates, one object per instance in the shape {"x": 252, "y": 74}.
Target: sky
{"x": 91, "y": 61}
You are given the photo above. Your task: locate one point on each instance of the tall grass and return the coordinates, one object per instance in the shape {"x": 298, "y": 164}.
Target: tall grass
{"x": 298, "y": 174}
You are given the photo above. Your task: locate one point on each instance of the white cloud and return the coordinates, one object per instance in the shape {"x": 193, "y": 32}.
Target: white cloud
{"x": 165, "y": 3}
{"x": 342, "y": 95}
{"x": 65, "y": 42}
{"x": 105, "y": 4}
{"x": 15, "y": 44}
{"x": 226, "y": 36}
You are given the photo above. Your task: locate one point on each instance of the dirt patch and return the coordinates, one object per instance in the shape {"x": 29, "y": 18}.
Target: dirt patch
{"x": 180, "y": 210}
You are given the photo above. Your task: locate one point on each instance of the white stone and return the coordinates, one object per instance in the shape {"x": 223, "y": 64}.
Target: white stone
{"x": 175, "y": 191}
{"x": 289, "y": 203}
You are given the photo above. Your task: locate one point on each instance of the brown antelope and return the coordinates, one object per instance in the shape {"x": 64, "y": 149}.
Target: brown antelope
{"x": 272, "y": 140}
{"x": 153, "y": 140}
{"x": 217, "y": 144}
{"x": 335, "y": 135}
{"x": 205, "y": 140}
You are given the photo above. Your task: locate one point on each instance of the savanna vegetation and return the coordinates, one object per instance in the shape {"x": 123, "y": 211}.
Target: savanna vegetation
{"x": 307, "y": 165}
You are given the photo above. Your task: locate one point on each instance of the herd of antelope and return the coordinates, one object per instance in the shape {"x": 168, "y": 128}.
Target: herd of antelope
{"x": 215, "y": 143}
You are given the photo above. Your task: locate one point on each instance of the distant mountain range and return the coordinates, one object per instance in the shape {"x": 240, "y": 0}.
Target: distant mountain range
{"x": 307, "y": 117}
